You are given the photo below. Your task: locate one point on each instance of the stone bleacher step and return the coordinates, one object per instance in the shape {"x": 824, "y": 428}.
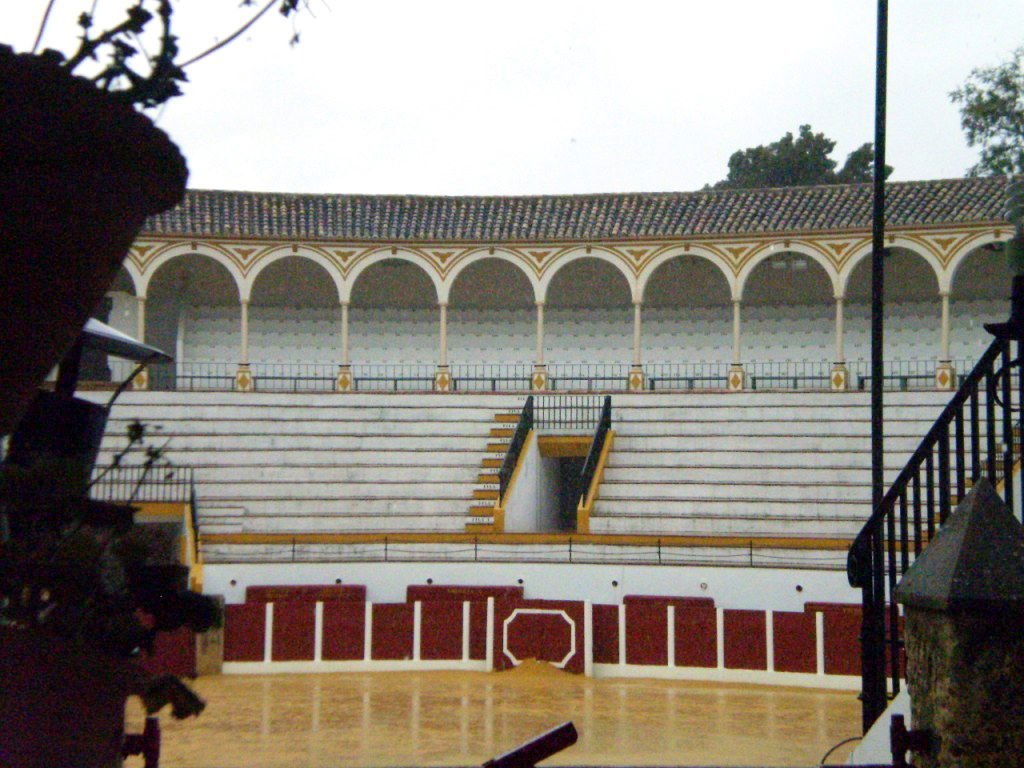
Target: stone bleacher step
{"x": 487, "y": 490}
{"x": 214, "y": 519}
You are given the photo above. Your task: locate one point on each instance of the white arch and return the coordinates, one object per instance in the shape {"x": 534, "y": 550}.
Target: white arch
{"x": 285, "y": 252}
{"x": 187, "y": 249}
{"x": 778, "y": 248}
{"x": 133, "y": 274}
{"x": 564, "y": 259}
{"x": 966, "y": 249}
{"x": 898, "y": 242}
{"x": 481, "y": 254}
{"x": 704, "y": 253}
{"x": 383, "y": 254}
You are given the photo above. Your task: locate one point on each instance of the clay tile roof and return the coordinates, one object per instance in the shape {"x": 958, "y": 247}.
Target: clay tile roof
{"x": 391, "y": 218}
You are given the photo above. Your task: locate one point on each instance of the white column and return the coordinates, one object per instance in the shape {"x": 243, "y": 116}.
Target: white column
{"x": 367, "y": 631}
{"x": 245, "y": 332}
{"x": 538, "y": 357}
{"x": 465, "y": 632}
{"x": 588, "y": 638}
{"x": 670, "y": 635}
{"x": 720, "y": 637}
{"x": 344, "y": 333}
{"x": 268, "y": 632}
{"x": 489, "y": 635}
{"x": 636, "y": 333}
{"x": 622, "y": 633}
{"x": 819, "y": 642}
{"x": 735, "y": 331}
{"x": 179, "y": 341}
{"x": 944, "y": 342}
{"x": 318, "y": 631}
{"x": 840, "y": 350}
{"x": 417, "y": 629}
{"x": 140, "y": 318}
{"x": 443, "y": 354}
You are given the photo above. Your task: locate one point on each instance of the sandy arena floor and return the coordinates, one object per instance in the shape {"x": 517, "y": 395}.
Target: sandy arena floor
{"x": 464, "y": 718}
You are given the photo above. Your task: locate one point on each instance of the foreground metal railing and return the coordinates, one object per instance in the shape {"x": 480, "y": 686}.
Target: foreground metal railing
{"x": 515, "y": 447}
{"x": 604, "y": 424}
{"x": 974, "y": 436}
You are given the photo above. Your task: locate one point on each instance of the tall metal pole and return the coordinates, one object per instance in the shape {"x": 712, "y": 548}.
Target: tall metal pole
{"x": 877, "y": 258}
{"x": 873, "y": 628}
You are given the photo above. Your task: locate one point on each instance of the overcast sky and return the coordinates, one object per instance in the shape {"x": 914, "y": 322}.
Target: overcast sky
{"x": 525, "y": 97}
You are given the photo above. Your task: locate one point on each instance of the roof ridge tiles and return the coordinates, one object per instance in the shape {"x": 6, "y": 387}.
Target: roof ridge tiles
{"x": 591, "y": 216}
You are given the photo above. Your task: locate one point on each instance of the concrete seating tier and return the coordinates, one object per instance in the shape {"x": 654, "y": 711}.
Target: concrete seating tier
{"x": 307, "y": 463}
{"x": 778, "y": 464}
{"x": 758, "y": 465}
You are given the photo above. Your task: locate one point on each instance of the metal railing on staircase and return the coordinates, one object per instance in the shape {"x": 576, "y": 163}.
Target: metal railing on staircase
{"x": 974, "y": 436}
{"x": 604, "y": 424}
{"x": 515, "y": 447}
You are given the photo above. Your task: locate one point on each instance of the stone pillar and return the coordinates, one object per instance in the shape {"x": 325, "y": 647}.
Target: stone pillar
{"x": 141, "y": 380}
{"x": 736, "y": 379}
{"x": 442, "y": 377}
{"x": 963, "y": 601}
{"x": 945, "y": 375}
{"x": 243, "y": 376}
{"x": 839, "y": 376}
{"x": 539, "y": 379}
{"x": 344, "y": 380}
{"x": 636, "y": 371}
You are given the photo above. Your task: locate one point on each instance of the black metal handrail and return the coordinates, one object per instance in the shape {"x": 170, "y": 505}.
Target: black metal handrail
{"x": 137, "y": 483}
{"x": 132, "y": 483}
{"x": 508, "y": 465}
{"x": 568, "y": 412}
{"x": 604, "y": 424}
{"x": 958, "y": 449}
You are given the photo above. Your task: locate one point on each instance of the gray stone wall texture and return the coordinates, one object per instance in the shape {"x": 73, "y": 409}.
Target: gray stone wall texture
{"x": 965, "y": 674}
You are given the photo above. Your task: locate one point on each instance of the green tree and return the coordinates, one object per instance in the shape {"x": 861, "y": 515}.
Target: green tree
{"x": 801, "y": 161}
{"x": 992, "y": 115}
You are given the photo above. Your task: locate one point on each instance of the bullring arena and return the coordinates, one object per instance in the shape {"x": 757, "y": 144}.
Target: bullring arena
{"x": 623, "y": 434}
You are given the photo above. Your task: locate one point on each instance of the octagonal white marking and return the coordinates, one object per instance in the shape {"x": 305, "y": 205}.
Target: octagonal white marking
{"x": 552, "y": 611}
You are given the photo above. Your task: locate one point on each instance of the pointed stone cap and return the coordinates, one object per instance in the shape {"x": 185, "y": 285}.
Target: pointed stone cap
{"x": 974, "y": 563}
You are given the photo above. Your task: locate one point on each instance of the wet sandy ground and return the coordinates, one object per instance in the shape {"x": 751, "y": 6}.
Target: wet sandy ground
{"x": 464, "y": 718}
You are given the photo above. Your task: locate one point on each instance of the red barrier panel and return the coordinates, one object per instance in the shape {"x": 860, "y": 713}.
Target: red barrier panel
{"x": 746, "y": 646}
{"x": 448, "y": 592}
{"x": 842, "y": 632}
{"x": 293, "y": 631}
{"x": 547, "y": 630}
{"x": 606, "y": 634}
{"x": 344, "y": 629}
{"x": 305, "y": 592}
{"x": 793, "y": 638}
{"x": 696, "y": 632}
{"x": 243, "y": 632}
{"x": 478, "y": 631}
{"x": 392, "y": 631}
{"x": 441, "y": 630}
{"x": 646, "y": 630}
